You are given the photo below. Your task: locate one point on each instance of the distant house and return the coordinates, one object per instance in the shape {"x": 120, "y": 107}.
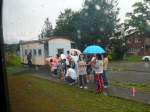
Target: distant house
{"x": 43, "y": 48}
{"x": 138, "y": 44}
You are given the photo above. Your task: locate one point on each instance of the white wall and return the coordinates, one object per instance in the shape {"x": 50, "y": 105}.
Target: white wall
{"x": 36, "y": 59}
{"x": 59, "y": 43}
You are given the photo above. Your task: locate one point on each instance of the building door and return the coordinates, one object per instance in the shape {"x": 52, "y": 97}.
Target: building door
{"x": 59, "y": 51}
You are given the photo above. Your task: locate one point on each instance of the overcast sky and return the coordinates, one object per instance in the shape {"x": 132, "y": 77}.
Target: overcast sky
{"x": 23, "y": 19}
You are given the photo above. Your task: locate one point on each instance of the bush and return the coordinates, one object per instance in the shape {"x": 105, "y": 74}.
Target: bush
{"x": 116, "y": 54}
{"x": 110, "y": 56}
{"x": 12, "y": 60}
{"x": 133, "y": 58}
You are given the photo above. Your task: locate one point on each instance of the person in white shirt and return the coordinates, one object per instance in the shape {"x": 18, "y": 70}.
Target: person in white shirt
{"x": 71, "y": 75}
{"x": 75, "y": 59}
{"x": 98, "y": 67}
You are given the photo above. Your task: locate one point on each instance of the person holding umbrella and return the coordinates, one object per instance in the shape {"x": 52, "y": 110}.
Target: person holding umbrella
{"x": 97, "y": 64}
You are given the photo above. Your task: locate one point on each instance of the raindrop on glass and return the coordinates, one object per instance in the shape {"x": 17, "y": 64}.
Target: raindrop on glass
{"x": 86, "y": 7}
{"x": 78, "y": 31}
{"x": 106, "y": 12}
{"x": 97, "y": 7}
{"x": 42, "y": 5}
{"x": 92, "y": 29}
{"x": 146, "y": 65}
{"x": 79, "y": 37}
{"x": 107, "y": 20}
{"x": 86, "y": 14}
{"x": 101, "y": 29}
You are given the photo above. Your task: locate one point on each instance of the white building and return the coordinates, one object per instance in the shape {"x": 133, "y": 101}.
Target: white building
{"x": 44, "y": 48}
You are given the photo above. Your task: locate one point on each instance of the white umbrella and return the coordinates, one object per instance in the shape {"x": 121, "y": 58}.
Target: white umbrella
{"x": 72, "y": 51}
{"x": 62, "y": 56}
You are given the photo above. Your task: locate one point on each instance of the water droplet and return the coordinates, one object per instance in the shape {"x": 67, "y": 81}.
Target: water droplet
{"x": 146, "y": 65}
{"x": 78, "y": 31}
{"x": 86, "y": 14}
{"x": 86, "y": 7}
{"x": 79, "y": 37}
{"x": 107, "y": 20}
{"x": 106, "y": 12}
{"x": 101, "y": 29}
{"x": 42, "y": 5}
{"x": 92, "y": 29}
{"x": 97, "y": 7}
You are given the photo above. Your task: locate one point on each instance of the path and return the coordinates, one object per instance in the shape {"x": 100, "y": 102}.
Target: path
{"x": 44, "y": 73}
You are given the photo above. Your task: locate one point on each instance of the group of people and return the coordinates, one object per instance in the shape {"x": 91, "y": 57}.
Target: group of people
{"x": 82, "y": 68}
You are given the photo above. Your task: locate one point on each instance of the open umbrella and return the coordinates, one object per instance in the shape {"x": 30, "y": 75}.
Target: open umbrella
{"x": 72, "y": 51}
{"x": 93, "y": 49}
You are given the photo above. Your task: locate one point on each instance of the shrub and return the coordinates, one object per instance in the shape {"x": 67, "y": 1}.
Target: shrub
{"x": 12, "y": 60}
{"x": 133, "y": 58}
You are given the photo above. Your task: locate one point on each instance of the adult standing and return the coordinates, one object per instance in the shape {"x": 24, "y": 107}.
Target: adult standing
{"x": 89, "y": 68}
{"x": 93, "y": 62}
{"x": 105, "y": 65}
{"x": 75, "y": 59}
{"x": 82, "y": 71}
{"x": 29, "y": 58}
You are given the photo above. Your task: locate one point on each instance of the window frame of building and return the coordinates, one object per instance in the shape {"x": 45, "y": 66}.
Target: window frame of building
{"x": 136, "y": 40}
{"x": 60, "y": 50}
{"x": 30, "y": 51}
{"x": 25, "y": 52}
{"x": 34, "y": 52}
{"x": 39, "y": 52}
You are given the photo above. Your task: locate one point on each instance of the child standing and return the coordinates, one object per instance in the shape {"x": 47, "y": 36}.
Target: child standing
{"x": 82, "y": 71}
{"x": 89, "y": 69}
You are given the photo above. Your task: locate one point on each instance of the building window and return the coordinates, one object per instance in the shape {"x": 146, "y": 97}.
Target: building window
{"x": 60, "y": 51}
{"x": 136, "y": 40}
{"x": 30, "y": 51}
{"x": 39, "y": 52}
{"x": 73, "y": 45}
{"x": 25, "y": 52}
{"x": 128, "y": 41}
{"x": 34, "y": 51}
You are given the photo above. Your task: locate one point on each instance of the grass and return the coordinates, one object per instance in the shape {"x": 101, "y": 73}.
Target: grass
{"x": 133, "y": 58}
{"x": 139, "y": 86}
{"x": 13, "y": 70}
{"x": 31, "y": 94}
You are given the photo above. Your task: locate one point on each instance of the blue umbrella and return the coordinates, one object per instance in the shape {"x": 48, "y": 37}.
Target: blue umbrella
{"x": 93, "y": 49}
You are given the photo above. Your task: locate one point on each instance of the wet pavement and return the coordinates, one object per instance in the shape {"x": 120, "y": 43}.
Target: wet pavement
{"x": 130, "y": 66}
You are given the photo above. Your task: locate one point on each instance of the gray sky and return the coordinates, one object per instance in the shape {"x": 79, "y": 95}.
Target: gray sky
{"x": 23, "y": 19}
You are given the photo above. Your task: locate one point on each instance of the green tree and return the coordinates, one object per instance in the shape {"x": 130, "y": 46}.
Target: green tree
{"x": 95, "y": 21}
{"x": 64, "y": 23}
{"x": 139, "y": 19}
{"x": 98, "y": 20}
{"x": 47, "y": 29}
